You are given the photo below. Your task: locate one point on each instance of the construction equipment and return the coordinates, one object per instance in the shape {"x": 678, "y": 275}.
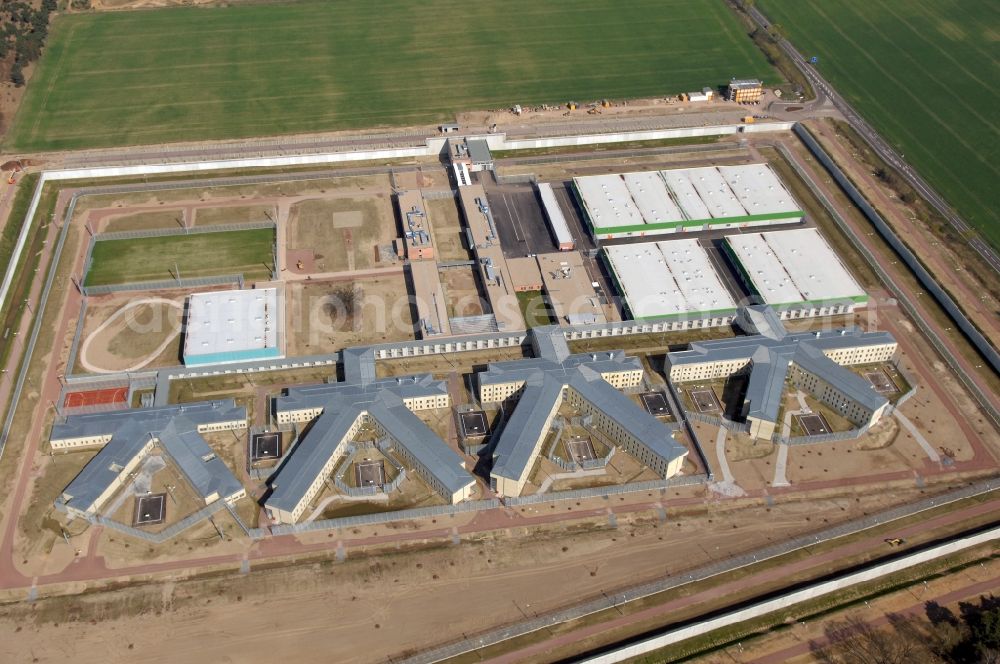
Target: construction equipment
{"x": 10, "y": 180}
{"x": 605, "y": 103}
{"x": 748, "y": 119}
{"x": 571, "y": 105}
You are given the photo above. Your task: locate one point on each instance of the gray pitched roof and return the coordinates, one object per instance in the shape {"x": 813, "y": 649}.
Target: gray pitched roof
{"x": 543, "y": 384}
{"x": 770, "y": 358}
{"x": 175, "y": 427}
{"x": 343, "y": 404}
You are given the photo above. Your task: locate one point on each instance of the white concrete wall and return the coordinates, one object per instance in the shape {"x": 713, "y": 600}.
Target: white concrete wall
{"x": 432, "y": 147}
{"x": 791, "y": 599}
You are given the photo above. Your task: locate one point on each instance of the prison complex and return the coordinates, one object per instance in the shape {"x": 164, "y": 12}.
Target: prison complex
{"x": 129, "y": 436}
{"x": 811, "y": 361}
{"x": 589, "y": 383}
{"x": 339, "y": 411}
{"x": 686, "y": 199}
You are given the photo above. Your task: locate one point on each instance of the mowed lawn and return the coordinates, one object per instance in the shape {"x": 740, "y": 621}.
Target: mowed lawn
{"x": 179, "y": 74}
{"x": 926, "y": 74}
{"x": 198, "y": 255}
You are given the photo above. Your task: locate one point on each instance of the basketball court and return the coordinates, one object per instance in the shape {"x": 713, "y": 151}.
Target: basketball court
{"x": 265, "y": 446}
{"x": 474, "y": 424}
{"x": 150, "y": 509}
{"x": 705, "y": 400}
{"x": 655, "y": 403}
{"x": 581, "y": 449}
{"x": 110, "y": 395}
{"x": 369, "y": 473}
{"x": 813, "y": 424}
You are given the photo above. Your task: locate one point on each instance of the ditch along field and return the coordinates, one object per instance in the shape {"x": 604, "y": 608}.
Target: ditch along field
{"x": 197, "y": 255}
{"x": 924, "y": 74}
{"x": 126, "y": 78}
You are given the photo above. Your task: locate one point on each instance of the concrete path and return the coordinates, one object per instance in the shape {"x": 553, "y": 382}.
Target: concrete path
{"x": 728, "y": 485}
{"x": 919, "y": 437}
{"x": 141, "y": 484}
{"x": 780, "y": 466}
{"x": 330, "y": 499}
{"x": 562, "y": 476}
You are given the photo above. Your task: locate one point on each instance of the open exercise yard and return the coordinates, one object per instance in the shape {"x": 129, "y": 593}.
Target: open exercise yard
{"x": 327, "y": 316}
{"x": 341, "y": 234}
{"x": 196, "y": 255}
{"x": 130, "y": 331}
{"x": 462, "y": 292}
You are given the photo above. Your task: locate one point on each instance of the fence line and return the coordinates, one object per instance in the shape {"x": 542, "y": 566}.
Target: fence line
{"x": 911, "y": 261}
{"x": 195, "y": 230}
{"x": 165, "y": 284}
{"x": 601, "y": 491}
{"x": 153, "y": 538}
{"x": 384, "y": 517}
{"x": 611, "y": 601}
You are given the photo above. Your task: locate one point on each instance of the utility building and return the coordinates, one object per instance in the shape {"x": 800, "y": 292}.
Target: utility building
{"x": 745, "y": 90}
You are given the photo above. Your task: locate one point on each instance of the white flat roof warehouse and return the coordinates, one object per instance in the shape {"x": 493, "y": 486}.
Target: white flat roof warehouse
{"x": 794, "y": 266}
{"x": 608, "y": 200}
{"x": 232, "y": 321}
{"x": 668, "y": 278}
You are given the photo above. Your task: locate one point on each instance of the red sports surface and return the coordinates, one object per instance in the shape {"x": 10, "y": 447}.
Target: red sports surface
{"x": 95, "y": 397}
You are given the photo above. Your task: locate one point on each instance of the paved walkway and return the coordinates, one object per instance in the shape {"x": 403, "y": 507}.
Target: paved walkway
{"x": 919, "y": 437}
{"x": 780, "y": 466}
{"x": 728, "y": 485}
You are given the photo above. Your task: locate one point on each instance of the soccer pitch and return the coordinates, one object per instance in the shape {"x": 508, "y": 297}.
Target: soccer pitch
{"x": 925, "y": 75}
{"x": 197, "y": 255}
{"x": 182, "y": 74}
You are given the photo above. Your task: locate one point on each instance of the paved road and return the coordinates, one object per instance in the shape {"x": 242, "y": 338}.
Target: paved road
{"x": 883, "y": 149}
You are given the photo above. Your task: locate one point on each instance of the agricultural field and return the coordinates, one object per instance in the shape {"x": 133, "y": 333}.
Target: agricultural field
{"x": 924, "y": 74}
{"x": 124, "y": 78}
{"x": 198, "y": 255}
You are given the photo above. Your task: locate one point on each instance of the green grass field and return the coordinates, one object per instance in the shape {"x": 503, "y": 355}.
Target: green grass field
{"x": 925, "y": 75}
{"x": 178, "y": 74}
{"x": 199, "y": 255}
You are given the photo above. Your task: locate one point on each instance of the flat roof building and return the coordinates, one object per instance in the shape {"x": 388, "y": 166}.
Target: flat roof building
{"x": 432, "y": 308}
{"x": 591, "y": 384}
{"x": 557, "y": 220}
{"x": 417, "y": 232}
{"x": 128, "y": 436}
{"x": 811, "y": 361}
{"x": 568, "y": 289}
{"x": 669, "y": 279}
{"x": 794, "y": 271}
{"x": 524, "y": 274}
{"x": 684, "y": 199}
{"x": 338, "y": 412}
{"x": 234, "y": 326}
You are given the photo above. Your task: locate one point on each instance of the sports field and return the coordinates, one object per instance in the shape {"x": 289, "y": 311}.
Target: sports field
{"x": 197, "y": 255}
{"x": 925, "y": 75}
{"x": 177, "y": 74}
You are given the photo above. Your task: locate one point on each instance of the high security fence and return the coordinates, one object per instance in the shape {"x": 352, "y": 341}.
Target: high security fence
{"x": 384, "y": 517}
{"x": 603, "y": 491}
{"x": 611, "y": 601}
{"x": 925, "y": 279}
{"x": 154, "y": 538}
{"x": 179, "y": 230}
{"x": 186, "y": 282}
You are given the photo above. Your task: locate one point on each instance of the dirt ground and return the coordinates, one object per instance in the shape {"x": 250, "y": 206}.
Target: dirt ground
{"x": 232, "y": 618}
{"x": 447, "y": 229}
{"x": 317, "y": 322}
{"x": 125, "y": 330}
{"x": 461, "y": 292}
{"x": 342, "y": 233}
